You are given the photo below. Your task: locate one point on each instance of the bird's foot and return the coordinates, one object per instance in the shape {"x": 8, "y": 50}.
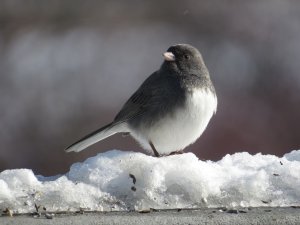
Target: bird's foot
{"x": 177, "y": 152}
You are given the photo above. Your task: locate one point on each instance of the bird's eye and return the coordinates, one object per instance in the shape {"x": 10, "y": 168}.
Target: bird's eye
{"x": 186, "y": 56}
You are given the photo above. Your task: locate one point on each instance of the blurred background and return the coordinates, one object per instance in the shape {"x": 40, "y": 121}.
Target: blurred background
{"x": 67, "y": 67}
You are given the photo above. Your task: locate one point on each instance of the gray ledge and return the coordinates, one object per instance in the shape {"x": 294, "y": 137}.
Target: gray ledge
{"x": 261, "y": 216}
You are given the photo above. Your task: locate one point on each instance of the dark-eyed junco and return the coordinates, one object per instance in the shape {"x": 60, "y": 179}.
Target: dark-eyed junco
{"x": 170, "y": 110}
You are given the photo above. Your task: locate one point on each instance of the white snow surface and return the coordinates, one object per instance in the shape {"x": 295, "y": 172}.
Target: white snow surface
{"x": 105, "y": 182}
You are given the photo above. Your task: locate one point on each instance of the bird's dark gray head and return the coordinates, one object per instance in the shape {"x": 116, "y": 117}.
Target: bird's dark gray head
{"x": 184, "y": 59}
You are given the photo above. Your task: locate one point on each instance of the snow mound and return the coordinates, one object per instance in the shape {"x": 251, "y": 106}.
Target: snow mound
{"x": 118, "y": 180}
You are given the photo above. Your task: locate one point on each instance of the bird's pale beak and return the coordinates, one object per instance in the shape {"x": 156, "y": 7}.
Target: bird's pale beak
{"x": 169, "y": 56}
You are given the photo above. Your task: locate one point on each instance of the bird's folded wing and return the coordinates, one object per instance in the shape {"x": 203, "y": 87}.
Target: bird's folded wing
{"x": 150, "y": 94}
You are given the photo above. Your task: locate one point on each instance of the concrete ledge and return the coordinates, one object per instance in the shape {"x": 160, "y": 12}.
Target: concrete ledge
{"x": 261, "y": 216}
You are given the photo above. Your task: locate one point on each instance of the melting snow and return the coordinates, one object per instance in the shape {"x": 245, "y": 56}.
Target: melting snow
{"x": 118, "y": 180}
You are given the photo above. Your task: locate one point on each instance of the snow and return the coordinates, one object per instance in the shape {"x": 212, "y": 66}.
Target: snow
{"x": 118, "y": 180}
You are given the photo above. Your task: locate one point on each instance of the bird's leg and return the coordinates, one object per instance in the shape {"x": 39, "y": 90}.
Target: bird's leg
{"x": 177, "y": 152}
{"x": 154, "y": 149}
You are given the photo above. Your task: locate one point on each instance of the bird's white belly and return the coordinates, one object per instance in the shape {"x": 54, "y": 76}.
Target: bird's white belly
{"x": 175, "y": 132}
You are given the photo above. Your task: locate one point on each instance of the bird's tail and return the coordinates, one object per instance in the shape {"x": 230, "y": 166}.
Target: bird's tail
{"x": 96, "y": 136}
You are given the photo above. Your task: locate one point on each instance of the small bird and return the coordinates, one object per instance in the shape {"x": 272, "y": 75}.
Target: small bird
{"x": 169, "y": 111}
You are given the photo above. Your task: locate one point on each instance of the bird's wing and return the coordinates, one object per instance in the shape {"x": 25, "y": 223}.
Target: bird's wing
{"x": 152, "y": 93}
{"x": 136, "y": 105}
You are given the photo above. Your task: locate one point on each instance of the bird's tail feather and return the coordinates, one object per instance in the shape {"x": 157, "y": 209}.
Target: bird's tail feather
{"x": 96, "y": 136}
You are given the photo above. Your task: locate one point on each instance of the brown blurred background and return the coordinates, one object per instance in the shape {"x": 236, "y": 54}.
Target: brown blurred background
{"x": 66, "y": 68}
